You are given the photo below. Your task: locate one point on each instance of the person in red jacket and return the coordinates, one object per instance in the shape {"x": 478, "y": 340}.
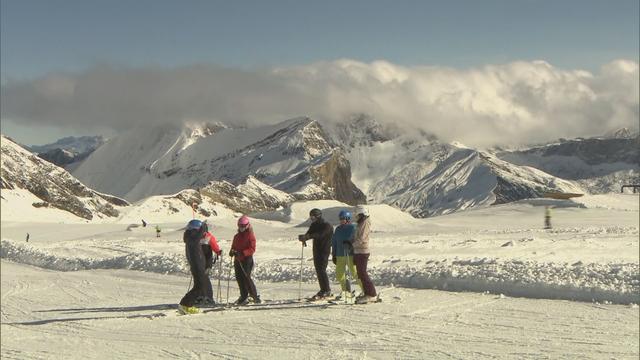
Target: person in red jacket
{"x": 211, "y": 251}
{"x": 242, "y": 249}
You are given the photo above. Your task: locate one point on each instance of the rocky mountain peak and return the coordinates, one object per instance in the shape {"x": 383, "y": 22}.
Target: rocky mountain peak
{"x": 53, "y": 185}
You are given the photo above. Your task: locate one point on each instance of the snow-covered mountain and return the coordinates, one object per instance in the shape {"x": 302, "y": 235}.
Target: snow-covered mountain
{"x": 68, "y": 150}
{"x": 470, "y": 178}
{"x": 598, "y": 164}
{"x": 293, "y": 156}
{"x": 51, "y": 185}
{"x": 426, "y": 177}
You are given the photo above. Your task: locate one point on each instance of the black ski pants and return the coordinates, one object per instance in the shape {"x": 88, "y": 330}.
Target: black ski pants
{"x": 320, "y": 262}
{"x": 243, "y": 277}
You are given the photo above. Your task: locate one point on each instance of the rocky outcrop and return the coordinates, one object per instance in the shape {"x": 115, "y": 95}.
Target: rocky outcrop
{"x": 247, "y": 197}
{"x": 335, "y": 175}
{"x": 53, "y": 185}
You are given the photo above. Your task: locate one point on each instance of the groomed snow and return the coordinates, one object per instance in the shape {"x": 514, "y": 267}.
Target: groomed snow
{"x": 58, "y": 287}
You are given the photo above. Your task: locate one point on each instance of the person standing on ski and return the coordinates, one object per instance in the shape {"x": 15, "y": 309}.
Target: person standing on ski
{"x": 210, "y": 248}
{"x": 547, "y": 217}
{"x": 361, "y": 255}
{"x": 242, "y": 249}
{"x": 197, "y": 265}
{"x": 341, "y": 250}
{"x": 321, "y": 232}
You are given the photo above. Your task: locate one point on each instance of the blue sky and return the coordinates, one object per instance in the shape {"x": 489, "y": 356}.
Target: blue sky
{"x": 40, "y": 37}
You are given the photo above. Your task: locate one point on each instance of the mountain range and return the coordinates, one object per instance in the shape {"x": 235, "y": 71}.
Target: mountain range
{"x": 359, "y": 161}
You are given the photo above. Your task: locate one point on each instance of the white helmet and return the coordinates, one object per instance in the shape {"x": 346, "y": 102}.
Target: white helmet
{"x": 360, "y": 209}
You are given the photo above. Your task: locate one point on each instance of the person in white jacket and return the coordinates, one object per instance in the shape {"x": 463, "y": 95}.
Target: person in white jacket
{"x": 361, "y": 254}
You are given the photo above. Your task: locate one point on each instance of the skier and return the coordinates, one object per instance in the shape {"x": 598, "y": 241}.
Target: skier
{"x": 361, "y": 255}
{"x": 197, "y": 265}
{"x": 210, "y": 248}
{"x": 27, "y": 237}
{"x": 242, "y": 249}
{"x": 144, "y": 223}
{"x": 341, "y": 248}
{"x": 547, "y": 217}
{"x": 157, "y": 230}
{"x": 321, "y": 232}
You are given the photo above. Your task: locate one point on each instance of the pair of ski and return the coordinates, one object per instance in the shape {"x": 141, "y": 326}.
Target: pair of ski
{"x": 264, "y": 305}
{"x": 346, "y": 298}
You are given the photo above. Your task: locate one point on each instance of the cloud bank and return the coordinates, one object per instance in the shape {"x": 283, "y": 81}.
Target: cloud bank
{"x": 519, "y": 102}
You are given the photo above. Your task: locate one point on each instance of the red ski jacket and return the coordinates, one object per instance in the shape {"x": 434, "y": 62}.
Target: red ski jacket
{"x": 244, "y": 243}
{"x": 213, "y": 243}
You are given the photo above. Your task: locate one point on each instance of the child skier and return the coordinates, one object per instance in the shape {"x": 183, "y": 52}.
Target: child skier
{"x": 242, "y": 249}
{"x": 341, "y": 250}
{"x": 321, "y": 232}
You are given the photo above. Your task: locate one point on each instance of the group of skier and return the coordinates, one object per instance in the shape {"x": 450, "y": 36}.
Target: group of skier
{"x": 348, "y": 245}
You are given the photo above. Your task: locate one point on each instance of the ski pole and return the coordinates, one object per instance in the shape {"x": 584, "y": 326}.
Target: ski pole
{"x": 219, "y": 291}
{"x": 228, "y": 280}
{"x": 300, "y": 281}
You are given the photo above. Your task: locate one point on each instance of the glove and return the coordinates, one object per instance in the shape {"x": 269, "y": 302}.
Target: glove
{"x": 232, "y": 253}
{"x": 333, "y": 259}
{"x": 302, "y": 237}
{"x": 219, "y": 253}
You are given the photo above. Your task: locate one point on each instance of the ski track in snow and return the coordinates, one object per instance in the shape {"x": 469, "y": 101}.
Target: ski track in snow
{"x": 58, "y": 315}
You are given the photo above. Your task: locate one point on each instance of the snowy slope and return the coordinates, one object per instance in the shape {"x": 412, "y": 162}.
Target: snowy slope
{"x": 51, "y": 185}
{"x": 291, "y": 156}
{"x": 114, "y": 286}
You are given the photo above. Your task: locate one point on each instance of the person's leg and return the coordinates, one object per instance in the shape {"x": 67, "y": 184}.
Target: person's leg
{"x": 354, "y": 273}
{"x": 361, "y": 261}
{"x": 240, "y": 278}
{"x": 190, "y": 297}
{"x": 341, "y": 263}
{"x": 320, "y": 262}
{"x": 247, "y": 265}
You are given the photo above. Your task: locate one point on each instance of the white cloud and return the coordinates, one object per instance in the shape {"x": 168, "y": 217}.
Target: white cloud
{"x": 496, "y": 104}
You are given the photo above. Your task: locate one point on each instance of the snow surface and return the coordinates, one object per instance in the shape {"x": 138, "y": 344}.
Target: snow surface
{"x": 102, "y": 289}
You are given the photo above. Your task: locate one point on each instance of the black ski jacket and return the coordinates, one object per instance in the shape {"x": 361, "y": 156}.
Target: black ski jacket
{"x": 193, "y": 251}
{"x": 321, "y": 232}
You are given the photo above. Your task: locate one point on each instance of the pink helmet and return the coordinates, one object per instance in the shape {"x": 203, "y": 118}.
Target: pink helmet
{"x": 243, "y": 221}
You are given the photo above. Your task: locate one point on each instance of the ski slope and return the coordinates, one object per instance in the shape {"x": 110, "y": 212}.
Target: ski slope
{"x": 101, "y": 289}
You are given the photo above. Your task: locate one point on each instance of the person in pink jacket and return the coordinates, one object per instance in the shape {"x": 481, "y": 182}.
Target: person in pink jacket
{"x": 242, "y": 249}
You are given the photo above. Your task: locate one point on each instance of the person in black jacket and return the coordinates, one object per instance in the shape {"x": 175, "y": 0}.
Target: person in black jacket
{"x": 321, "y": 232}
{"x": 197, "y": 265}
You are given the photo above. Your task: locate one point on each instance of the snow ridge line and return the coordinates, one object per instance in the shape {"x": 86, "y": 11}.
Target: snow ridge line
{"x": 163, "y": 263}
{"x": 616, "y": 283}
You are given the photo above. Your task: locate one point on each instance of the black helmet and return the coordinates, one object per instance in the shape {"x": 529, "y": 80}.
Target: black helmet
{"x": 315, "y": 213}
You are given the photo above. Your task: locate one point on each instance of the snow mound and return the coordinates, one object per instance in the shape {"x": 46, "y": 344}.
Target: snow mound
{"x": 618, "y": 283}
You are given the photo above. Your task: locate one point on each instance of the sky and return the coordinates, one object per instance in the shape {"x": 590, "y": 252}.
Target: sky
{"x": 106, "y": 65}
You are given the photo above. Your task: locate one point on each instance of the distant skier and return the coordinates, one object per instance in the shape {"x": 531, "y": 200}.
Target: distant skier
{"x": 27, "y": 237}
{"x": 361, "y": 255}
{"x": 197, "y": 265}
{"x": 321, "y": 232}
{"x": 341, "y": 251}
{"x": 157, "y": 231}
{"x": 242, "y": 249}
{"x": 211, "y": 251}
{"x": 547, "y": 217}
{"x": 144, "y": 223}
